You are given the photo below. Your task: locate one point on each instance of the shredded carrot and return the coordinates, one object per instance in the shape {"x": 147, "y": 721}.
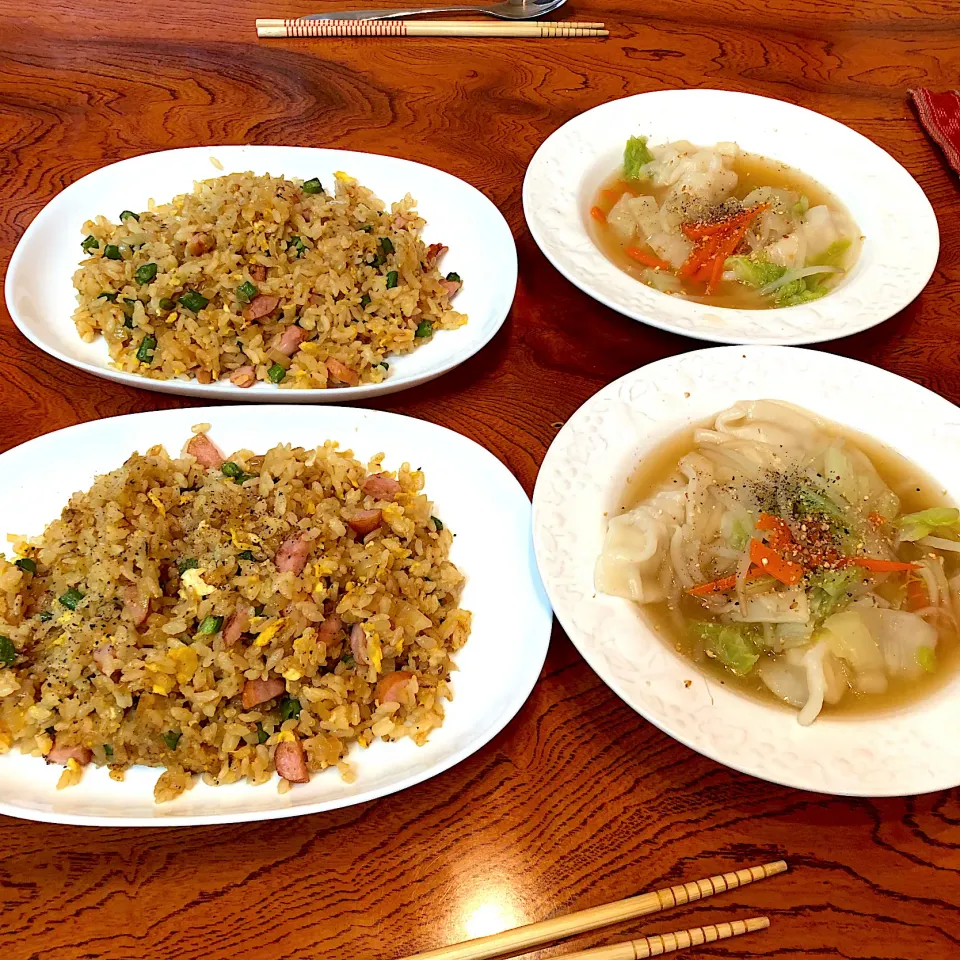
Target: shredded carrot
{"x": 877, "y": 519}
{"x": 598, "y": 214}
{"x": 611, "y": 196}
{"x": 727, "y": 248}
{"x": 701, "y": 255}
{"x": 717, "y": 242}
{"x": 647, "y": 259}
{"x": 723, "y": 584}
{"x": 715, "y": 586}
{"x": 917, "y": 597}
{"x": 769, "y": 561}
{"x": 780, "y": 535}
{"x": 880, "y": 566}
{"x": 697, "y": 231}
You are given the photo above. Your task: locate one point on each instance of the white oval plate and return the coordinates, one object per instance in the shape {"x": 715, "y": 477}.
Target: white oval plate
{"x": 475, "y": 495}
{"x": 901, "y": 237}
{"x": 41, "y": 297}
{"x": 903, "y": 752}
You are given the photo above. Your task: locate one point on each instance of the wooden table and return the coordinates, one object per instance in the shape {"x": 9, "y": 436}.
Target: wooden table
{"x": 579, "y": 800}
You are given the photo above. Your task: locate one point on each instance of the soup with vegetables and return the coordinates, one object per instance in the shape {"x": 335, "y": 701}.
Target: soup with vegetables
{"x": 792, "y": 559}
{"x": 724, "y": 227}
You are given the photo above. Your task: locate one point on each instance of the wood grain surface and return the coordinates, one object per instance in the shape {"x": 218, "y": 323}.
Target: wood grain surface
{"x": 579, "y": 800}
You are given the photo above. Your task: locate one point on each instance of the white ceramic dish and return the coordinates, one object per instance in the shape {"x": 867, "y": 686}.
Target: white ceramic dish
{"x": 41, "y": 298}
{"x": 901, "y": 237}
{"x": 908, "y": 751}
{"x": 474, "y": 494}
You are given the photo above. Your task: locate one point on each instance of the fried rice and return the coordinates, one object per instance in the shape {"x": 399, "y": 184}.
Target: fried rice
{"x": 260, "y": 278}
{"x": 230, "y": 618}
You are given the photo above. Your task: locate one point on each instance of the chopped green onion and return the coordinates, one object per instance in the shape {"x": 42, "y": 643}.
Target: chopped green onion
{"x": 108, "y": 750}
{"x": 193, "y": 301}
{"x": 365, "y": 301}
{"x": 171, "y": 738}
{"x": 454, "y": 277}
{"x": 112, "y": 297}
{"x": 210, "y": 625}
{"x": 386, "y": 245}
{"x": 112, "y": 252}
{"x": 927, "y": 658}
{"x": 392, "y": 278}
{"x": 313, "y": 186}
{"x": 385, "y": 365}
{"x": 367, "y": 228}
{"x": 258, "y": 610}
{"x": 147, "y": 346}
{"x": 234, "y": 471}
{"x": 90, "y": 243}
{"x": 289, "y": 709}
{"x": 348, "y": 660}
{"x": 246, "y": 555}
{"x": 128, "y": 306}
{"x": 8, "y": 652}
{"x": 146, "y": 274}
{"x": 189, "y": 563}
{"x": 424, "y": 329}
{"x": 437, "y": 523}
{"x": 246, "y": 291}
{"x": 71, "y": 598}
{"x": 45, "y": 617}
{"x": 124, "y": 214}
{"x": 376, "y": 260}
{"x": 262, "y": 735}
{"x": 166, "y": 304}
{"x": 27, "y": 564}
{"x": 128, "y": 322}
{"x": 298, "y": 245}
{"x": 276, "y": 373}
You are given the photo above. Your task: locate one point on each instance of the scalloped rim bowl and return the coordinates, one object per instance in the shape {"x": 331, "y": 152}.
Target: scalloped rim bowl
{"x": 899, "y": 752}
{"x": 901, "y": 239}
{"x": 497, "y": 667}
{"x": 39, "y": 282}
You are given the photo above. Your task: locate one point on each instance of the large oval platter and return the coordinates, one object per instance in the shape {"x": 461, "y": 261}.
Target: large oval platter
{"x": 479, "y": 500}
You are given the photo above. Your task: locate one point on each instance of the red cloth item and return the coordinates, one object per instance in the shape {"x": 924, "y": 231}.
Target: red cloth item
{"x": 940, "y": 116}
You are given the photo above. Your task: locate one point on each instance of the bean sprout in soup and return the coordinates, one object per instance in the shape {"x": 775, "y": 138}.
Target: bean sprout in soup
{"x": 723, "y": 227}
{"x": 792, "y": 559}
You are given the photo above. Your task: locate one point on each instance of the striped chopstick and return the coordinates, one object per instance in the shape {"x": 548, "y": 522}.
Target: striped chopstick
{"x": 423, "y": 28}
{"x": 523, "y": 939}
{"x": 660, "y": 943}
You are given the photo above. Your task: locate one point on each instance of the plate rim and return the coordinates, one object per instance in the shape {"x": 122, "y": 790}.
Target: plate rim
{"x": 519, "y": 699}
{"x": 224, "y": 391}
{"x": 705, "y": 333}
{"x": 563, "y": 610}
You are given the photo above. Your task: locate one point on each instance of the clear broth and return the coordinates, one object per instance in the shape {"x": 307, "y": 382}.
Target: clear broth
{"x": 752, "y": 171}
{"x": 916, "y": 490}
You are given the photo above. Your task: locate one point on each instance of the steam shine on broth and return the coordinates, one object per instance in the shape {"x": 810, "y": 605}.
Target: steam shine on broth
{"x": 719, "y": 226}
{"x": 792, "y": 559}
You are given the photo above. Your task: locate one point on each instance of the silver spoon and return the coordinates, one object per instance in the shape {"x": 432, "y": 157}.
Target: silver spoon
{"x": 510, "y": 10}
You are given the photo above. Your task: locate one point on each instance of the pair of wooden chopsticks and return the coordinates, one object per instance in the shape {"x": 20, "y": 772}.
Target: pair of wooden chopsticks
{"x": 424, "y": 28}
{"x": 522, "y": 939}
